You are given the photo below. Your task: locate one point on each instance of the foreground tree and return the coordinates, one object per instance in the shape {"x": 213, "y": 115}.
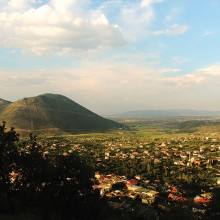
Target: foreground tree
{"x": 57, "y": 187}
{"x": 8, "y": 164}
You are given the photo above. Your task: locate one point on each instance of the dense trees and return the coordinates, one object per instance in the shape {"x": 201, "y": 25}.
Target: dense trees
{"x": 57, "y": 187}
{"x": 8, "y": 163}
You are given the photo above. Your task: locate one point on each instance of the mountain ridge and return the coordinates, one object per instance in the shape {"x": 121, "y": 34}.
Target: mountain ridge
{"x": 3, "y": 101}
{"x": 3, "y": 104}
{"x": 53, "y": 111}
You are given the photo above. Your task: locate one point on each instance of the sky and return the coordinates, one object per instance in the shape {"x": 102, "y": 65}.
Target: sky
{"x": 112, "y": 56}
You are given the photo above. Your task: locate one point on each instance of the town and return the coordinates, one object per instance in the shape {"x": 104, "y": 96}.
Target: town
{"x": 148, "y": 176}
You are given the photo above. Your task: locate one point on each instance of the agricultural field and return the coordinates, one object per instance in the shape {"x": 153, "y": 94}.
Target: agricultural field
{"x": 162, "y": 128}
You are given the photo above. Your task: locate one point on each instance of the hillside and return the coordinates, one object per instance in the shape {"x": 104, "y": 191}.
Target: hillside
{"x": 50, "y": 111}
{"x": 3, "y": 104}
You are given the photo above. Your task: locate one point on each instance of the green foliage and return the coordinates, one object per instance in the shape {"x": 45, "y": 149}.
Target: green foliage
{"x": 178, "y": 212}
{"x": 8, "y": 159}
{"x": 118, "y": 186}
{"x": 57, "y": 187}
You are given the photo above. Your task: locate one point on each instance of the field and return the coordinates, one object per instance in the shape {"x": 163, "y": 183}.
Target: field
{"x": 162, "y": 128}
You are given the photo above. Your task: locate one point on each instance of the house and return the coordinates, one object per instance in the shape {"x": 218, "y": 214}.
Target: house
{"x": 148, "y": 201}
{"x": 65, "y": 153}
{"x": 97, "y": 175}
{"x": 13, "y": 176}
{"x": 156, "y": 160}
{"x": 197, "y": 162}
{"x": 174, "y": 189}
{"x": 132, "y": 195}
{"x": 107, "y": 154}
{"x": 135, "y": 153}
{"x": 138, "y": 177}
{"x": 146, "y": 152}
{"x": 133, "y": 182}
{"x": 201, "y": 200}
{"x": 177, "y": 198}
{"x": 134, "y": 188}
{"x": 183, "y": 156}
{"x": 152, "y": 193}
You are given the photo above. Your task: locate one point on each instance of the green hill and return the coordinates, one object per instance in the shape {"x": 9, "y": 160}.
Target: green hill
{"x": 3, "y": 104}
{"x": 53, "y": 112}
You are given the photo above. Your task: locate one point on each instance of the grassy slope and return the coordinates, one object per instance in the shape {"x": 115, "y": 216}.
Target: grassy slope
{"x": 51, "y": 111}
{"x": 3, "y": 104}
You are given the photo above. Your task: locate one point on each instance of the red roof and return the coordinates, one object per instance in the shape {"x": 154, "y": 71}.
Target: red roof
{"x": 200, "y": 200}
{"x": 132, "y": 182}
{"x": 177, "y": 198}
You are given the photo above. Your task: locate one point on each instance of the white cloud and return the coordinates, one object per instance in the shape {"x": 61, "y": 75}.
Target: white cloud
{"x": 18, "y": 4}
{"x": 71, "y": 26}
{"x": 58, "y": 27}
{"x": 135, "y": 20}
{"x": 101, "y": 20}
{"x": 69, "y": 6}
{"x": 106, "y": 85}
{"x": 62, "y": 6}
{"x": 210, "y": 70}
{"x": 134, "y": 17}
{"x": 176, "y": 29}
{"x": 208, "y": 33}
{"x": 93, "y": 79}
{"x": 145, "y": 3}
{"x": 207, "y": 76}
{"x": 184, "y": 81}
{"x": 170, "y": 70}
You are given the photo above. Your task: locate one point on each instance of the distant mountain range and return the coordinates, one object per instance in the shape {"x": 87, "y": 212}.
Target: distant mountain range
{"x": 170, "y": 112}
{"x": 52, "y": 112}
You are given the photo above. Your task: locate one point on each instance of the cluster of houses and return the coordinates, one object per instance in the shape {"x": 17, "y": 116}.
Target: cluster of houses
{"x": 119, "y": 190}
{"x": 122, "y": 192}
{"x": 182, "y": 152}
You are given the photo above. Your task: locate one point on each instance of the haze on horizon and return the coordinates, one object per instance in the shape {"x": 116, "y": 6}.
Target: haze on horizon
{"x": 112, "y": 56}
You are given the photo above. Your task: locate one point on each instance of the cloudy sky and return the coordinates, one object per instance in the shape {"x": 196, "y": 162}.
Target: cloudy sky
{"x": 113, "y": 56}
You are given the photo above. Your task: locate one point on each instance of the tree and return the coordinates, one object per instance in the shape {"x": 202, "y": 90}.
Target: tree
{"x": 56, "y": 187}
{"x": 8, "y": 163}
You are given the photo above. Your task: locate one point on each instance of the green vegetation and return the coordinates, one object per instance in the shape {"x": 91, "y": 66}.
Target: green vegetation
{"x": 51, "y": 113}
{"x": 36, "y": 186}
{"x": 3, "y": 104}
{"x": 173, "y": 158}
{"x": 165, "y": 154}
{"x": 172, "y": 127}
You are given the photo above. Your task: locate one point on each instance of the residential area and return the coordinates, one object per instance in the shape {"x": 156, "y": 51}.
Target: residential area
{"x": 150, "y": 175}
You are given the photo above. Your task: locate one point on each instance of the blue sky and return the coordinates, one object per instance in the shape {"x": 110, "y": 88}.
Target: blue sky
{"x": 113, "y": 55}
